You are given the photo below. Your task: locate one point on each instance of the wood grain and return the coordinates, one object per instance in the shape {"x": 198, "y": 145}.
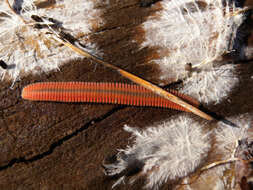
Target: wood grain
{"x": 60, "y": 146}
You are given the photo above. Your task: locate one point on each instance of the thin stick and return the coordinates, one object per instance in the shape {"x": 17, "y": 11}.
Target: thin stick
{"x": 138, "y": 80}
{"x": 214, "y": 164}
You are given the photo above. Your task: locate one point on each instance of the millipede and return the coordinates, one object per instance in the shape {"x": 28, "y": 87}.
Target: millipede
{"x": 101, "y": 92}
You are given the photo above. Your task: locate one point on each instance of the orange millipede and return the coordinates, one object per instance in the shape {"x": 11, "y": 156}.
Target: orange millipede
{"x": 144, "y": 83}
{"x": 113, "y": 93}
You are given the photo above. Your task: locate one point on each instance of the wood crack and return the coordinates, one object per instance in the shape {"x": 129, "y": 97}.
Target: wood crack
{"x": 148, "y": 3}
{"x": 58, "y": 143}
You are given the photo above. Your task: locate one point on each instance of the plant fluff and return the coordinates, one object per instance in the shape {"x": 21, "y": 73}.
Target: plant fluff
{"x": 168, "y": 151}
{"x": 27, "y": 49}
{"x": 200, "y": 33}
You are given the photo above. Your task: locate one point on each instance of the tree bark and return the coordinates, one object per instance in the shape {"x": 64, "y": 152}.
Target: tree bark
{"x": 48, "y": 145}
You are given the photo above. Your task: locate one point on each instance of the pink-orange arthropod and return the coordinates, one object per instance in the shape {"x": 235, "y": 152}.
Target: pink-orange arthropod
{"x": 114, "y": 93}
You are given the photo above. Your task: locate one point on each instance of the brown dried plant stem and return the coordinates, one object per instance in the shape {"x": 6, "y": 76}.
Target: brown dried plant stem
{"x": 138, "y": 80}
{"x": 217, "y": 163}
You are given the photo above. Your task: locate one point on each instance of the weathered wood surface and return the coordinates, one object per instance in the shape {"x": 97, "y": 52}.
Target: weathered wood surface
{"x": 46, "y": 145}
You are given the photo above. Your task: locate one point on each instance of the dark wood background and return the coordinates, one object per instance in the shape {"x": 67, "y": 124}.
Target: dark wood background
{"x": 47, "y": 145}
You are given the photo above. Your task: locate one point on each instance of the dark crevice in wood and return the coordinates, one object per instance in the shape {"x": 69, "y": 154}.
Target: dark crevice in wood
{"x": 109, "y": 29}
{"x": 148, "y": 3}
{"x": 61, "y": 141}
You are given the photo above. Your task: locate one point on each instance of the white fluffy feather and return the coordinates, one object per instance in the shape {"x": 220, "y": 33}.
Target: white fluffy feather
{"x": 168, "y": 151}
{"x": 28, "y": 50}
{"x": 196, "y": 32}
{"x": 211, "y": 86}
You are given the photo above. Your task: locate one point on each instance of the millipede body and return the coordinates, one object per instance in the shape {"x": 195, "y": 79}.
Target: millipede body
{"x": 113, "y": 93}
